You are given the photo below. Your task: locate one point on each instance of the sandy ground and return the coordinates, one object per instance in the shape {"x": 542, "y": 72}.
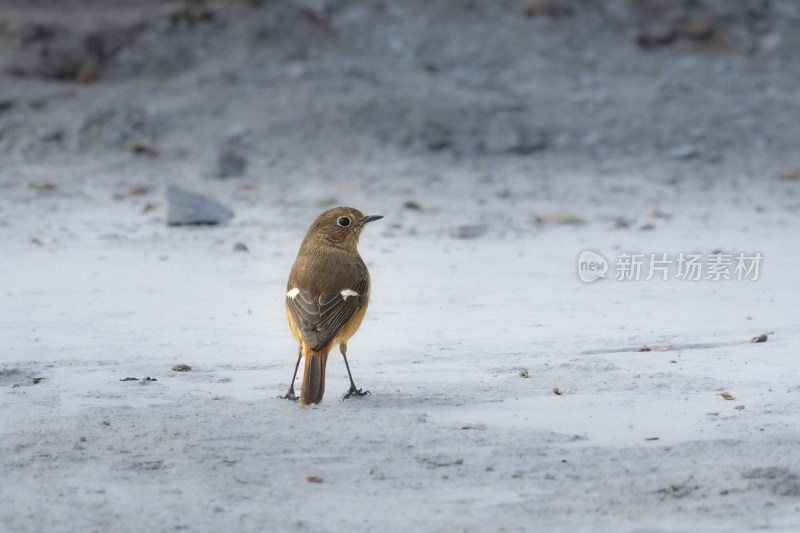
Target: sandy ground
{"x": 97, "y": 288}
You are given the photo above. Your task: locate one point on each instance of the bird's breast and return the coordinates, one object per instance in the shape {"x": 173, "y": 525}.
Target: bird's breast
{"x": 328, "y": 272}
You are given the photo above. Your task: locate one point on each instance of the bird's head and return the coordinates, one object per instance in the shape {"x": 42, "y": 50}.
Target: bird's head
{"x": 340, "y": 227}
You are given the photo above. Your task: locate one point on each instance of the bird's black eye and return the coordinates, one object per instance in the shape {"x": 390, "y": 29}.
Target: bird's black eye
{"x": 343, "y": 222}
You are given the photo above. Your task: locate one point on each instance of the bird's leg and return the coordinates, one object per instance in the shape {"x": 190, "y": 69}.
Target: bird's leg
{"x": 291, "y": 395}
{"x": 353, "y": 390}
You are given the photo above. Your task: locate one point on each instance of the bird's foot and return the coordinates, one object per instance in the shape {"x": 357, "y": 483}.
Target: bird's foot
{"x": 290, "y": 395}
{"x": 355, "y": 392}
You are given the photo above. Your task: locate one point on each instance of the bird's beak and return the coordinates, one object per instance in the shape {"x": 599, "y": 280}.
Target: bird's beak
{"x": 372, "y": 218}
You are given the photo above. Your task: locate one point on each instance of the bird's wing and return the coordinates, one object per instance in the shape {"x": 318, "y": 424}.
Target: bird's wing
{"x": 320, "y": 317}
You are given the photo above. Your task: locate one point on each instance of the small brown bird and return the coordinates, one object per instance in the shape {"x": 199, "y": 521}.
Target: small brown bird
{"x": 327, "y": 297}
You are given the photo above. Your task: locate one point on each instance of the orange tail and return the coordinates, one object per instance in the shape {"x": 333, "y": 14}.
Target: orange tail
{"x": 313, "y": 374}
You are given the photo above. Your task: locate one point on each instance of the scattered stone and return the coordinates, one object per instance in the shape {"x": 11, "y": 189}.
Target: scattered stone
{"x": 240, "y": 247}
{"x": 645, "y": 348}
{"x": 558, "y": 391}
{"x": 144, "y": 149}
{"x": 726, "y": 395}
{"x": 523, "y": 373}
{"x": 468, "y": 231}
{"x": 414, "y": 206}
{"x": 559, "y": 217}
{"x": 316, "y": 479}
{"x": 185, "y": 208}
{"x": 761, "y": 338}
{"x": 138, "y": 190}
{"x": 181, "y": 368}
{"x": 129, "y": 379}
{"x": 150, "y": 206}
{"x": 42, "y": 186}
{"x": 34, "y": 240}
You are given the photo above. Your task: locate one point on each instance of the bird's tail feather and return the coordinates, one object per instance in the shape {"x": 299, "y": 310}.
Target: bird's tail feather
{"x": 313, "y": 375}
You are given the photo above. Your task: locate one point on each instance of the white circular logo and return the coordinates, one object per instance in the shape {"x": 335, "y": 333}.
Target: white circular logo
{"x": 591, "y": 266}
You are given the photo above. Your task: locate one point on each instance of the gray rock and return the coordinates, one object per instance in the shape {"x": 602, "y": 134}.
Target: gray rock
{"x": 184, "y": 207}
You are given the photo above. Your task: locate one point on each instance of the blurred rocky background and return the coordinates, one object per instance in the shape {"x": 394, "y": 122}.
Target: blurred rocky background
{"x": 233, "y": 87}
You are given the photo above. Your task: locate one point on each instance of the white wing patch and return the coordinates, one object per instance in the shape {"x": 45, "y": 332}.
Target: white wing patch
{"x": 348, "y": 292}
{"x": 292, "y": 293}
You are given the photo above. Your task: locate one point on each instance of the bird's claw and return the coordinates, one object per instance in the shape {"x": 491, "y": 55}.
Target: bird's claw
{"x": 355, "y": 392}
{"x": 289, "y": 396}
